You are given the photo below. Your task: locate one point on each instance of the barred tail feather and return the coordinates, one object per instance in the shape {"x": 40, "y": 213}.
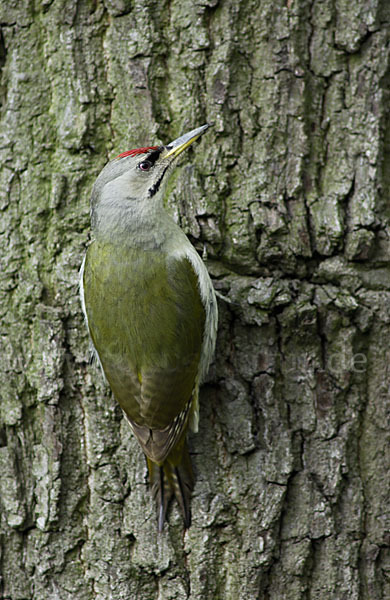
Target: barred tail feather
{"x": 173, "y": 476}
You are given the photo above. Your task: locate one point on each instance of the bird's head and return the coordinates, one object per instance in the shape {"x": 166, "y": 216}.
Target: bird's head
{"x": 137, "y": 177}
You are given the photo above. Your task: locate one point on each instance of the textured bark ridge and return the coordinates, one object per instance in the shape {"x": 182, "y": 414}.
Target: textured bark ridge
{"x": 289, "y": 195}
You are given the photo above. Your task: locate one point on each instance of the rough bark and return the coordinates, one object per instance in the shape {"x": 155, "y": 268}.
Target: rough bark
{"x": 290, "y": 196}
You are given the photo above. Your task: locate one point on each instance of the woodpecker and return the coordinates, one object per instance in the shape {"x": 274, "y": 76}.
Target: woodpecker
{"x": 151, "y": 312}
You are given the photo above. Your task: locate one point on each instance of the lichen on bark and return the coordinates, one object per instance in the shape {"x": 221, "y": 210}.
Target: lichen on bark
{"x": 289, "y": 197}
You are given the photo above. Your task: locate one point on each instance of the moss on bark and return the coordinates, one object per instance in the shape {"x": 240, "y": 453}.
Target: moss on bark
{"x": 290, "y": 197}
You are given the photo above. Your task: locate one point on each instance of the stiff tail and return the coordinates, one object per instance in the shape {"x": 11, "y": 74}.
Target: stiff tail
{"x": 173, "y": 476}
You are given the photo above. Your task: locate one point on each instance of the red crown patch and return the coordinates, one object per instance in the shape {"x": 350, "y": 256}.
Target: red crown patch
{"x": 136, "y": 151}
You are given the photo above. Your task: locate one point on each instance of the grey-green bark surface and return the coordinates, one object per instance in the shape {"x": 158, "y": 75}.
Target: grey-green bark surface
{"x": 289, "y": 194}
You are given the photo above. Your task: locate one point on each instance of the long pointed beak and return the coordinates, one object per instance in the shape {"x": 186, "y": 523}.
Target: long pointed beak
{"x": 184, "y": 141}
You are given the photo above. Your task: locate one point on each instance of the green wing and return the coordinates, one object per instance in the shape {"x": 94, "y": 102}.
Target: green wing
{"x": 146, "y": 321}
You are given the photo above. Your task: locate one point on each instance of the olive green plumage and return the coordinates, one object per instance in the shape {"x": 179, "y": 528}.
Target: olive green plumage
{"x": 151, "y": 314}
{"x": 146, "y": 320}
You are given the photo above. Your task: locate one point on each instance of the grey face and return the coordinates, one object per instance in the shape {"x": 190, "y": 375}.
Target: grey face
{"x": 136, "y": 176}
{"x": 134, "y": 180}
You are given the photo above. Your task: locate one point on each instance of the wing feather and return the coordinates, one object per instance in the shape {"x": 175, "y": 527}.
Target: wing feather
{"x": 146, "y": 315}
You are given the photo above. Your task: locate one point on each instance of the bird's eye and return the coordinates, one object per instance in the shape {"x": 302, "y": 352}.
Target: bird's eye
{"x": 145, "y": 165}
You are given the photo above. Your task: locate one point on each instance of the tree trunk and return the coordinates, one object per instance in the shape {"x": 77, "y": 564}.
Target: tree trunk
{"x": 289, "y": 195}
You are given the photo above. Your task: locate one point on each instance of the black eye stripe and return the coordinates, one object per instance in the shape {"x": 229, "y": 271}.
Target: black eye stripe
{"x": 153, "y": 156}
